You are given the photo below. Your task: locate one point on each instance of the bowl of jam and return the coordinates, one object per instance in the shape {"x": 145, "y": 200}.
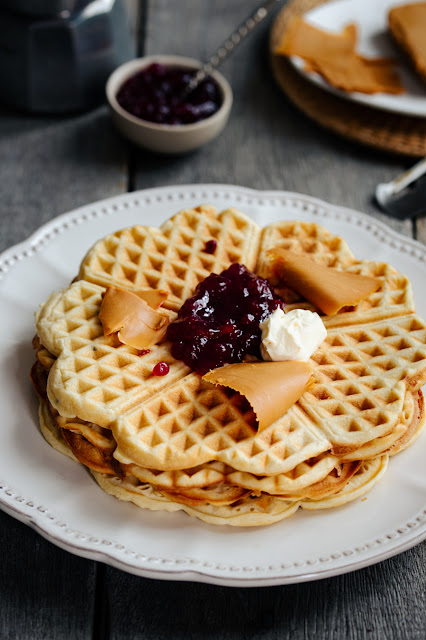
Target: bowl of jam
{"x": 150, "y": 104}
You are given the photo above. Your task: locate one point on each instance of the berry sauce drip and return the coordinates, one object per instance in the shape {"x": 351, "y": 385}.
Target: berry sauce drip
{"x": 220, "y": 323}
{"x": 161, "y": 369}
{"x": 210, "y": 246}
{"x": 155, "y": 94}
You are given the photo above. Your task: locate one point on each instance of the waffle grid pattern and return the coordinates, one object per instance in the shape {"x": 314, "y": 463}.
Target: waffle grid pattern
{"x": 172, "y": 258}
{"x": 94, "y": 378}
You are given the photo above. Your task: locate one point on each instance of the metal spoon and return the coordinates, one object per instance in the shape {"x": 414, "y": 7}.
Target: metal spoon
{"x": 405, "y": 196}
{"x": 231, "y": 43}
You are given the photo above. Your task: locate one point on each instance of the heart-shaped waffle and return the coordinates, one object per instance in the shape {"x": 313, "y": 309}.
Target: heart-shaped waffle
{"x": 173, "y": 257}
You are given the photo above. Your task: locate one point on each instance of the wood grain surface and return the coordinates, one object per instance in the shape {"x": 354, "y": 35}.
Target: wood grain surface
{"x": 50, "y": 165}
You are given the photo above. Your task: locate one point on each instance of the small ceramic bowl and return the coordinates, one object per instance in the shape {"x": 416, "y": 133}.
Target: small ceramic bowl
{"x": 164, "y": 138}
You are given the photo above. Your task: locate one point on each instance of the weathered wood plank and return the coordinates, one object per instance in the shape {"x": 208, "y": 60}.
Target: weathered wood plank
{"x": 50, "y": 166}
{"x": 44, "y": 591}
{"x": 382, "y": 601}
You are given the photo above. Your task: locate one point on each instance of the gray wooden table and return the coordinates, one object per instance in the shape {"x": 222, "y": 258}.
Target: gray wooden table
{"x": 50, "y": 165}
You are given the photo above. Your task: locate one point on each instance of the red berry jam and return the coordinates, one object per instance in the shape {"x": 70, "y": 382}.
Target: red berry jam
{"x": 220, "y": 323}
{"x": 143, "y": 352}
{"x": 156, "y": 94}
{"x": 160, "y": 369}
{"x": 210, "y": 246}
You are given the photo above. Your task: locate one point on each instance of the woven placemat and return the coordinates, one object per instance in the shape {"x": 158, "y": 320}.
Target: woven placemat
{"x": 376, "y": 128}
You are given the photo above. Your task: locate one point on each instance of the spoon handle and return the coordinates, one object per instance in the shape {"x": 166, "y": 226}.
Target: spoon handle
{"x": 231, "y": 43}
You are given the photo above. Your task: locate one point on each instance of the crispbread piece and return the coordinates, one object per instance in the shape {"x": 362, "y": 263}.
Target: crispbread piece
{"x": 173, "y": 257}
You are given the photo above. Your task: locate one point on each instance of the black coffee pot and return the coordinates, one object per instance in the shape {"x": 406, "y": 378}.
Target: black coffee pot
{"x": 56, "y": 55}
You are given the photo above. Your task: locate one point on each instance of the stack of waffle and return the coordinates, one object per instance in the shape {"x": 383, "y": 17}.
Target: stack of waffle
{"x": 178, "y": 442}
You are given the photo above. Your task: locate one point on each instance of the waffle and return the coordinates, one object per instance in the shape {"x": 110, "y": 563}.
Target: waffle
{"x": 362, "y": 374}
{"x": 307, "y": 238}
{"x": 94, "y": 379}
{"x": 369, "y": 473}
{"x": 254, "y": 512}
{"x": 172, "y": 257}
{"x": 394, "y": 296}
{"x": 411, "y": 424}
{"x": 215, "y": 473}
{"x": 249, "y": 511}
{"x": 177, "y": 441}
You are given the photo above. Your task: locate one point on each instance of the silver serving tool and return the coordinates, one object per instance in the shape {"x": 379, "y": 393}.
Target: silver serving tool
{"x": 405, "y": 196}
{"x": 231, "y": 43}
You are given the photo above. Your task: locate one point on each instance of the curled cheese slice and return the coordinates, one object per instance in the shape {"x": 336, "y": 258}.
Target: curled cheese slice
{"x": 270, "y": 387}
{"x": 131, "y": 317}
{"x": 328, "y": 289}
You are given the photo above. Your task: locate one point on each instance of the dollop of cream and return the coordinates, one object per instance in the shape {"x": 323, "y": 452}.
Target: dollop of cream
{"x": 295, "y": 335}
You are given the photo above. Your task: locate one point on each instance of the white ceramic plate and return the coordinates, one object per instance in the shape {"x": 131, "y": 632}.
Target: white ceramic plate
{"x": 59, "y": 499}
{"x": 373, "y": 41}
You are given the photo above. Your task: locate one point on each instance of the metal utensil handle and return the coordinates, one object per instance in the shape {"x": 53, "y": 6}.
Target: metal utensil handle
{"x": 230, "y": 44}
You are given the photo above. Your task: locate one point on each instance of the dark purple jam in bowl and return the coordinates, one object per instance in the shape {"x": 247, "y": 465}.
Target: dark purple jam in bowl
{"x": 156, "y": 93}
{"x": 220, "y": 323}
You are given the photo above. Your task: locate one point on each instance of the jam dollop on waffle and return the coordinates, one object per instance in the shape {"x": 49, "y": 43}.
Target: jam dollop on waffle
{"x": 220, "y": 323}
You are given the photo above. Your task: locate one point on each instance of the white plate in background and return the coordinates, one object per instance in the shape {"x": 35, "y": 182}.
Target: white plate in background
{"x": 374, "y": 41}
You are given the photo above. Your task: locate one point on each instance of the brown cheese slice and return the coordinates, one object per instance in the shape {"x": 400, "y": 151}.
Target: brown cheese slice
{"x": 328, "y": 289}
{"x": 407, "y": 25}
{"x": 356, "y": 73}
{"x": 131, "y": 317}
{"x": 271, "y": 388}
{"x": 308, "y": 42}
{"x": 333, "y": 56}
{"x": 153, "y": 297}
